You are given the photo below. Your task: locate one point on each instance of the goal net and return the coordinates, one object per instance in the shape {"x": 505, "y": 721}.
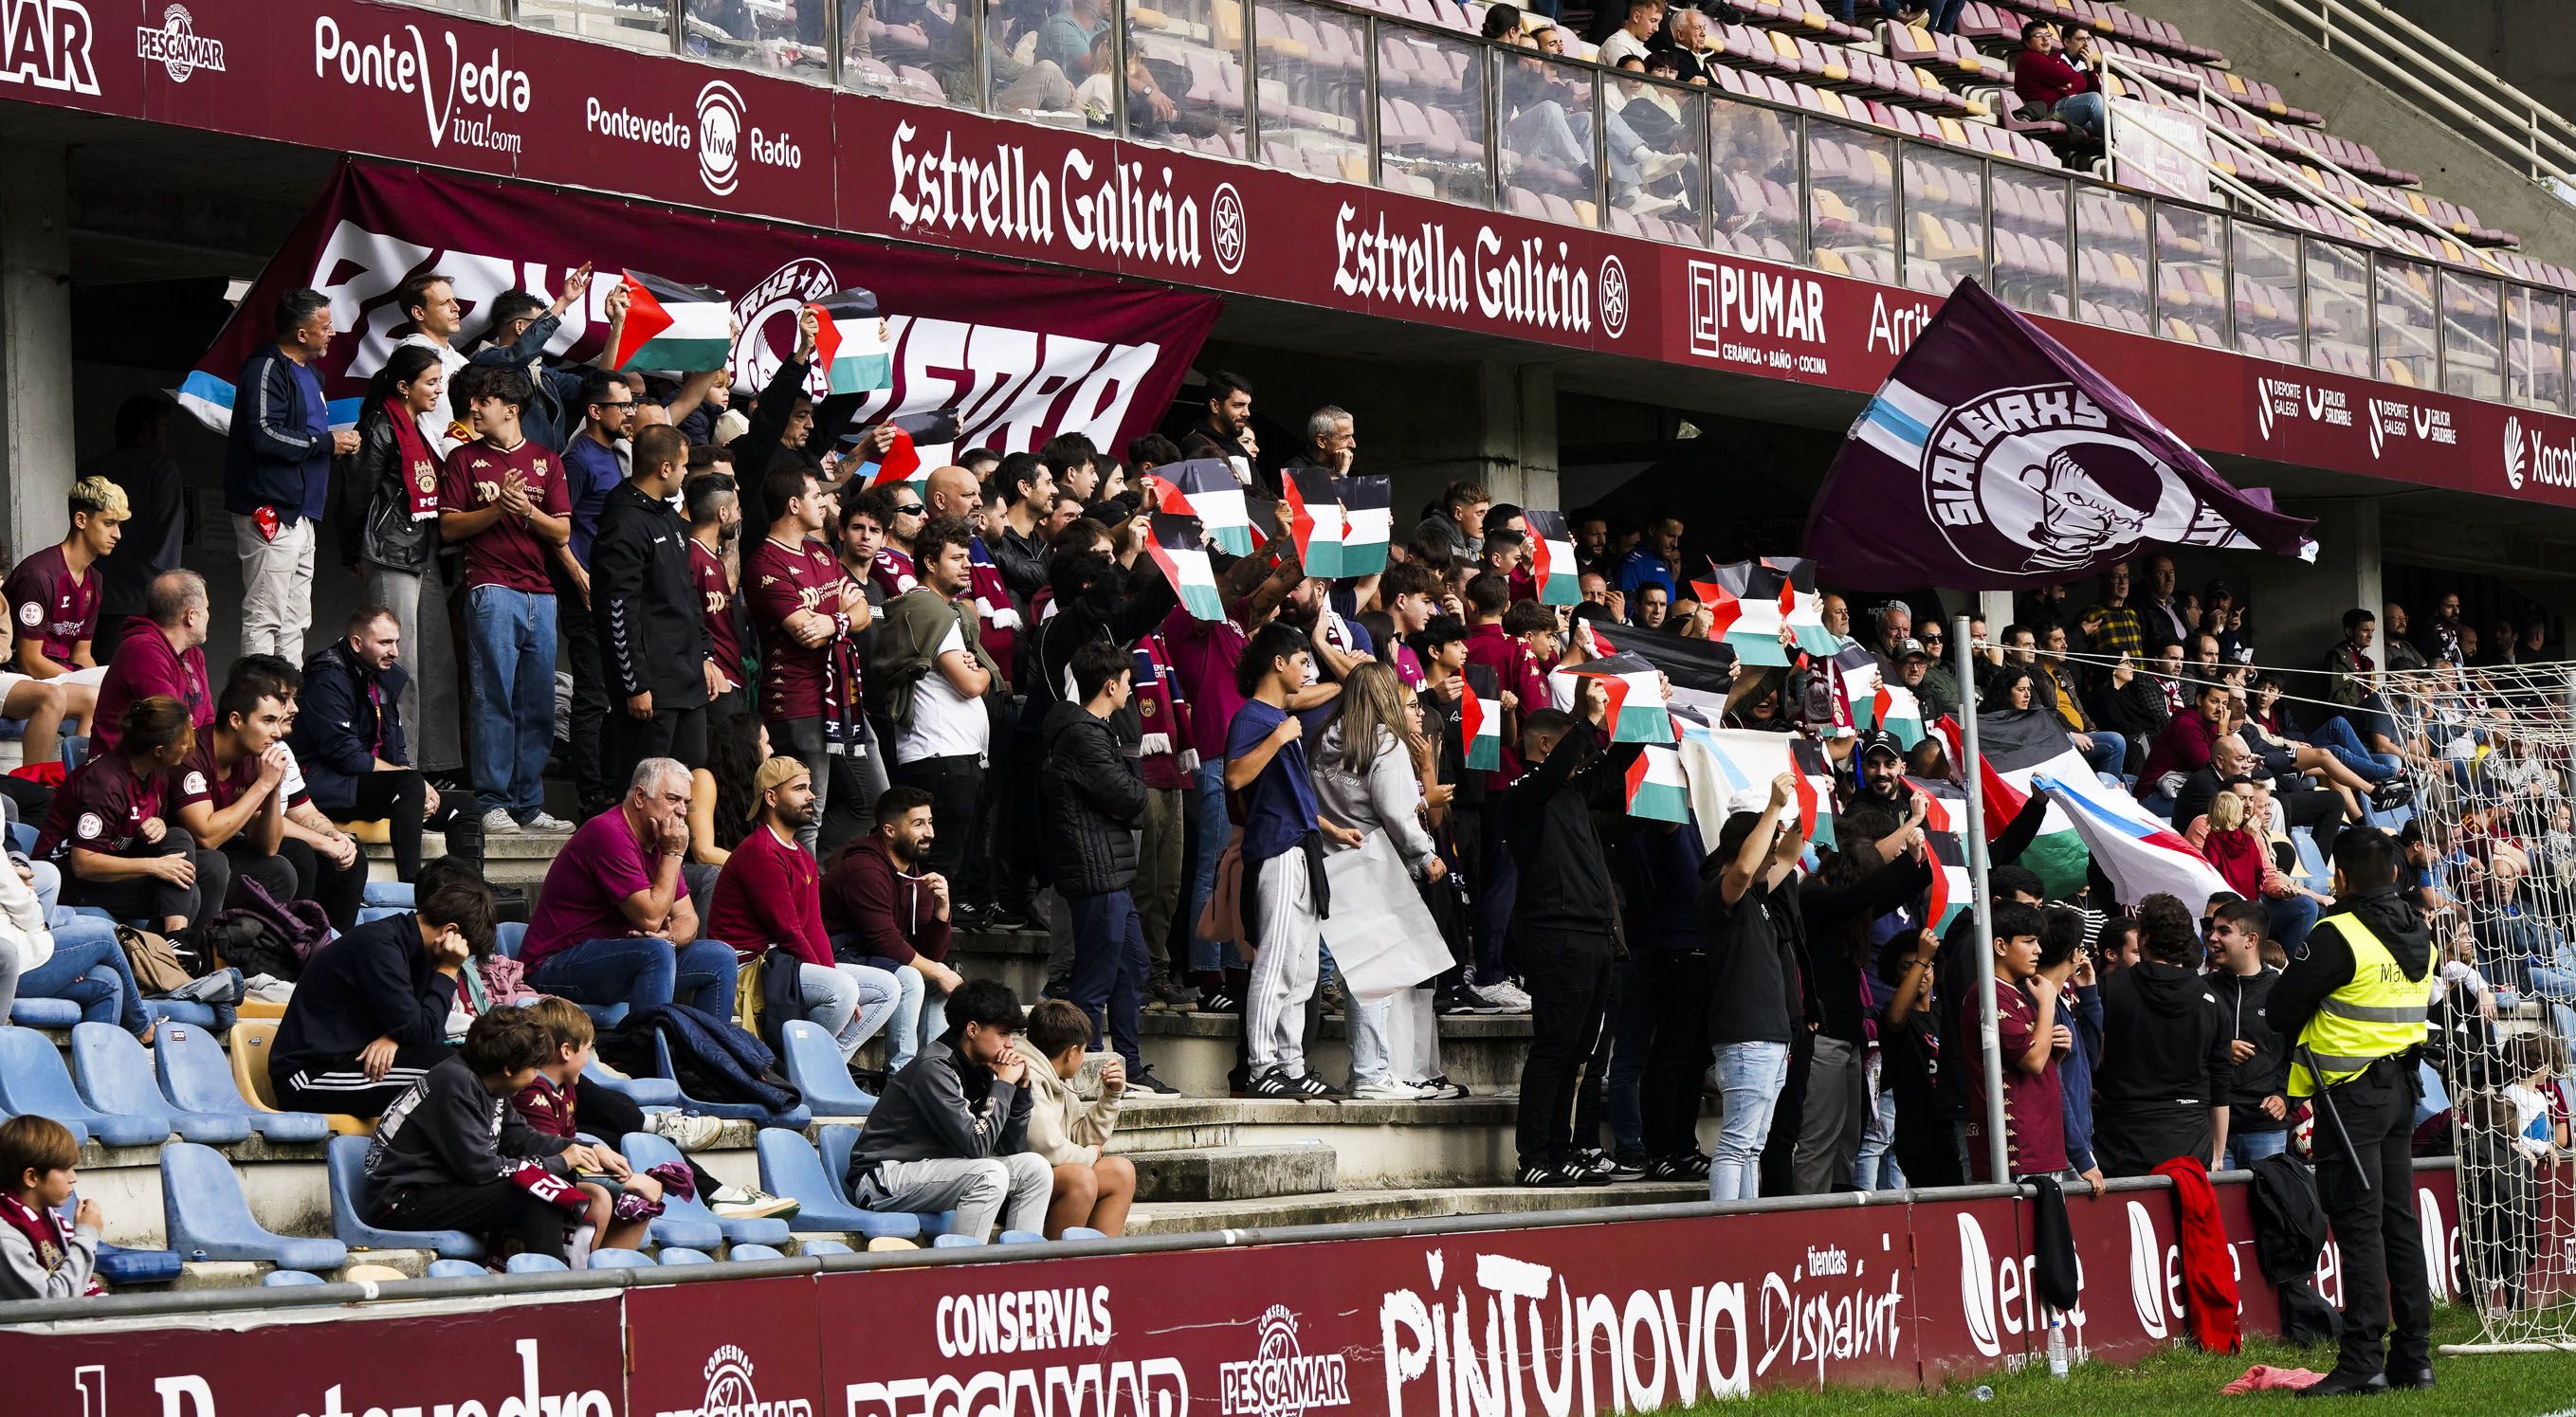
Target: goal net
{"x": 2491, "y": 754}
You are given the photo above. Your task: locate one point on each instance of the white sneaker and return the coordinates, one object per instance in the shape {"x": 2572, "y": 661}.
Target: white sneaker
{"x": 550, "y": 825}
{"x": 689, "y": 1131}
{"x": 749, "y": 1203}
{"x": 1386, "y": 1090}
{"x": 499, "y": 822}
{"x": 1505, "y": 995}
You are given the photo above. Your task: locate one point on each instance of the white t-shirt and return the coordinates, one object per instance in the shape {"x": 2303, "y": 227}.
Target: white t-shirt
{"x": 945, "y": 723}
{"x": 2531, "y": 1124}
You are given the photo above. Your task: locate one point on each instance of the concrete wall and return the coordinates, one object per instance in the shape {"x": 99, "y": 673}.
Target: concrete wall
{"x": 2358, "y": 104}
{"x": 2522, "y": 42}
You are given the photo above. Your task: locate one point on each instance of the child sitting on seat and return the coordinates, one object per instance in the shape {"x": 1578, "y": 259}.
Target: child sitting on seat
{"x": 547, "y": 1105}
{"x": 40, "y": 1256}
{"x": 1070, "y": 1130}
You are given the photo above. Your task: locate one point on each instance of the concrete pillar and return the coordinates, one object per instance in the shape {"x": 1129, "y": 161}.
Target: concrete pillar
{"x": 36, "y": 452}
{"x": 2298, "y": 608}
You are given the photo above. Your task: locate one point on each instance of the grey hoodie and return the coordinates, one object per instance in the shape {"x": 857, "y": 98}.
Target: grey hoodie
{"x": 1388, "y": 799}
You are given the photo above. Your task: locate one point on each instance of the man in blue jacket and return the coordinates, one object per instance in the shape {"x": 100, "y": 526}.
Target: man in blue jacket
{"x": 277, "y": 471}
{"x": 348, "y": 738}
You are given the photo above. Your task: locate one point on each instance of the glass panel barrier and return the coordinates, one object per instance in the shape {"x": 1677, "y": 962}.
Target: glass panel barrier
{"x": 2409, "y": 332}
{"x": 1753, "y": 182}
{"x": 909, "y": 49}
{"x": 638, "y": 24}
{"x": 1945, "y": 218}
{"x": 1313, "y": 95}
{"x": 2191, "y": 275}
{"x": 2472, "y": 337}
{"x": 1431, "y": 116}
{"x": 1191, "y": 51}
{"x": 1664, "y": 129}
{"x": 489, "y": 9}
{"x": 1547, "y": 167}
{"x": 2548, "y": 348}
{"x": 2030, "y": 239}
{"x": 1851, "y": 178}
{"x": 2265, "y": 291}
{"x": 781, "y": 37}
{"x": 2111, "y": 260}
{"x": 2338, "y": 308}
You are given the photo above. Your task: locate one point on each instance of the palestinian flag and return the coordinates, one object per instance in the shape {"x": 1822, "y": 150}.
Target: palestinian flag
{"x": 1856, "y": 680}
{"x": 2140, "y": 853}
{"x": 1815, "y": 790}
{"x": 1314, "y": 518}
{"x": 1945, "y": 805}
{"x": 1952, "y": 888}
{"x": 1205, "y": 488}
{"x": 901, "y": 463}
{"x": 1657, "y": 790}
{"x": 1368, "y": 522}
{"x": 1700, "y": 670}
{"x": 1636, "y": 709}
{"x": 1552, "y": 558}
{"x": 1177, "y": 549}
{"x": 1896, "y": 709}
{"x": 2020, "y": 746}
{"x": 1480, "y": 725}
{"x": 1596, "y": 645}
{"x": 850, "y": 347}
{"x": 672, "y": 326}
{"x": 1730, "y": 771}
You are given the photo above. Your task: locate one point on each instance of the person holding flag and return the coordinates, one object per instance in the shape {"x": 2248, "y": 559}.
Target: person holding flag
{"x": 1754, "y": 999}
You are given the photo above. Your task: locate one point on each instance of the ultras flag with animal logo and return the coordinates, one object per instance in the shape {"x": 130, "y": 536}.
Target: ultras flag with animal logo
{"x": 1993, "y": 457}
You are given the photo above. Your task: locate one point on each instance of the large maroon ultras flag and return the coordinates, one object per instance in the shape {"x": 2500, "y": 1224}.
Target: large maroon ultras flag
{"x": 1993, "y": 458}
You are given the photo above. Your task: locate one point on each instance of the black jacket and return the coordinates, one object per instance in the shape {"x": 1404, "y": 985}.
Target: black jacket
{"x": 342, "y": 729}
{"x": 652, "y": 626}
{"x": 1565, "y": 881}
{"x": 373, "y": 982}
{"x": 942, "y": 1108}
{"x": 2242, "y": 998}
{"x": 1022, "y": 560}
{"x": 753, "y": 451}
{"x": 1093, "y": 802}
{"x": 272, "y": 458}
{"x": 2164, "y": 1041}
{"x": 376, "y": 525}
{"x": 451, "y": 1130}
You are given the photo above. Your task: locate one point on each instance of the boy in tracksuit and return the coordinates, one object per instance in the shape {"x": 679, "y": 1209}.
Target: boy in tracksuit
{"x": 1564, "y": 923}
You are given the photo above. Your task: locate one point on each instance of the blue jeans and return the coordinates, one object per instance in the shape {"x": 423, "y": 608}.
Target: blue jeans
{"x": 88, "y": 967}
{"x": 2337, "y": 738}
{"x": 1109, "y": 970}
{"x": 1751, "y": 1076}
{"x": 2108, "y": 753}
{"x": 510, "y": 643}
{"x": 1632, "y": 1029}
{"x": 920, "y": 1013}
{"x": 2246, "y": 1148}
{"x": 2082, "y": 112}
{"x": 640, "y": 972}
{"x": 849, "y": 1001}
{"x": 1945, "y": 15}
{"x": 2292, "y": 918}
{"x": 1209, "y": 830}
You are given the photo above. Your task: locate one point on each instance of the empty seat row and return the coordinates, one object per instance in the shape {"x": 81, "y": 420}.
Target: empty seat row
{"x": 122, "y": 1095}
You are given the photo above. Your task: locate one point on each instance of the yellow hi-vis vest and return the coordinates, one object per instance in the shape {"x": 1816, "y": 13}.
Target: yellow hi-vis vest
{"x": 2377, "y": 1014}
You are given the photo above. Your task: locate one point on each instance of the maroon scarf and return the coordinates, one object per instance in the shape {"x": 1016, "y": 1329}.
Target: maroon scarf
{"x": 48, "y": 1233}
{"x": 419, "y": 466}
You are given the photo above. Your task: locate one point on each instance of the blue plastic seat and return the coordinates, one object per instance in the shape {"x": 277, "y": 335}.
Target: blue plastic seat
{"x": 837, "y": 1146}
{"x": 643, "y": 1092}
{"x": 954, "y": 1242}
{"x": 604, "y": 1259}
{"x": 822, "y": 1077}
{"x": 206, "y": 1216}
{"x": 530, "y": 1263}
{"x": 644, "y": 1151}
{"x": 825, "y": 1247}
{"x": 682, "y": 1254}
{"x": 44, "y": 1013}
{"x": 22, "y": 838}
{"x": 34, "y": 1081}
{"x": 369, "y": 914}
{"x": 120, "y": 1266}
{"x": 754, "y": 1252}
{"x": 1022, "y": 1237}
{"x": 348, "y": 1175}
{"x": 197, "y": 1077}
{"x": 798, "y": 1117}
{"x": 392, "y": 895}
{"x": 507, "y": 936}
{"x": 456, "y": 1269}
{"x": 114, "y": 1075}
{"x": 790, "y": 1167}
{"x": 289, "y": 1278}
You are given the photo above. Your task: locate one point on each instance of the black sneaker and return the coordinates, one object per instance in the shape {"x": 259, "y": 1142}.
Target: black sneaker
{"x": 871, "y": 1081}
{"x": 2392, "y": 794}
{"x": 1449, "y": 1091}
{"x": 1219, "y": 1002}
{"x": 1628, "y": 1168}
{"x": 1313, "y": 1088}
{"x": 1691, "y": 1166}
{"x": 968, "y": 918}
{"x": 1590, "y": 1168}
{"x": 1058, "y": 986}
{"x": 1143, "y": 1080}
{"x": 1544, "y": 1175}
{"x": 1010, "y": 918}
{"x": 1271, "y": 1083}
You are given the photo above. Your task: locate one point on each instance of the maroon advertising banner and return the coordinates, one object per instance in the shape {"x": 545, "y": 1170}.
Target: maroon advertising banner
{"x": 1018, "y": 353}
{"x": 415, "y": 84}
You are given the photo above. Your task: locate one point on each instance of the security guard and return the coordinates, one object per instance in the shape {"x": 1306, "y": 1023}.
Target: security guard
{"x": 2354, "y": 1002}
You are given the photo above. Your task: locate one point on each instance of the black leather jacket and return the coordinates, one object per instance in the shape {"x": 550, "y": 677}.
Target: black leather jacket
{"x": 376, "y": 526}
{"x": 1091, "y": 802}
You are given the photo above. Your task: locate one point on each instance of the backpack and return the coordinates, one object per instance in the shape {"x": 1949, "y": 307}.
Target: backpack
{"x": 259, "y": 934}
{"x": 159, "y": 969}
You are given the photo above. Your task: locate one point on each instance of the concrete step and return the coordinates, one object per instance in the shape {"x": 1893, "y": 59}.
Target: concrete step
{"x": 1354, "y": 1207}
{"x": 1234, "y": 1173}
{"x": 1375, "y": 1145}
{"x": 1195, "y": 1051}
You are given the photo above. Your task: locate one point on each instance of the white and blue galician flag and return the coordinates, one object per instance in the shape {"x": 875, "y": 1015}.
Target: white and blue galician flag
{"x": 1994, "y": 458}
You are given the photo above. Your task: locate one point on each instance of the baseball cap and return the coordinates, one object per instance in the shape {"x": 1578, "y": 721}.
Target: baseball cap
{"x": 776, "y": 772}
{"x": 1912, "y": 648}
{"x": 1883, "y": 742}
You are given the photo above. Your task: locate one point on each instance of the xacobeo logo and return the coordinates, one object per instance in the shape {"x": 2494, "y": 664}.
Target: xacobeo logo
{"x": 2513, "y": 453}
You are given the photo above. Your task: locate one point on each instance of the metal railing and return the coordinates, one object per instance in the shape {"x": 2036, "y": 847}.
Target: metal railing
{"x": 1354, "y": 95}
{"x": 2517, "y": 128}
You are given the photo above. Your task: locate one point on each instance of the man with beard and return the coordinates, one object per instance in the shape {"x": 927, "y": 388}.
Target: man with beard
{"x": 769, "y": 896}
{"x": 1227, "y": 433}
{"x": 594, "y": 461}
{"x": 349, "y": 739}
{"x": 715, "y": 523}
{"x": 650, "y": 622}
{"x": 1880, "y": 782}
{"x": 886, "y": 911}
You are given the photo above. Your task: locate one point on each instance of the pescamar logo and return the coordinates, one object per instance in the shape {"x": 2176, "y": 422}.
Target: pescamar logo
{"x": 463, "y": 101}
{"x": 176, "y": 46}
{"x": 1282, "y": 1381}
{"x": 730, "y": 1393}
{"x": 46, "y": 43}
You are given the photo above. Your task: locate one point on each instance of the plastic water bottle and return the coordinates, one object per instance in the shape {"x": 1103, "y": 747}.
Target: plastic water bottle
{"x": 1983, "y": 1393}
{"x": 2057, "y": 1346}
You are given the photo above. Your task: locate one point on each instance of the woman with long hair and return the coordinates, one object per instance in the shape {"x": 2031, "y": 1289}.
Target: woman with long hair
{"x": 721, "y": 799}
{"x": 1367, "y": 779}
{"x": 389, "y": 532}
{"x": 110, "y": 832}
